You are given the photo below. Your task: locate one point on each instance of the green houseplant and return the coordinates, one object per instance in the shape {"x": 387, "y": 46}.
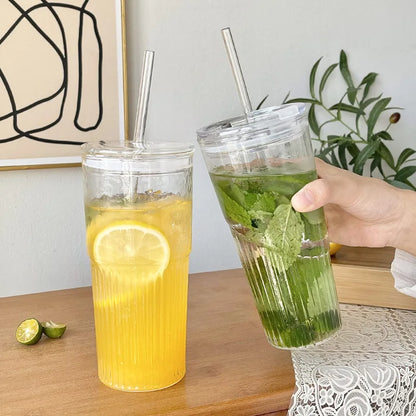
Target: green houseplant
{"x": 349, "y": 132}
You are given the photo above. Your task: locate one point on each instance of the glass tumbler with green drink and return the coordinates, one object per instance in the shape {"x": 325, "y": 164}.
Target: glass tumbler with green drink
{"x": 138, "y": 217}
{"x": 257, "y": 162}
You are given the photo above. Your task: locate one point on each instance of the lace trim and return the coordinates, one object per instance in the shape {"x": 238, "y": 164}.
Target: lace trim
{"x": 369, "y": 368}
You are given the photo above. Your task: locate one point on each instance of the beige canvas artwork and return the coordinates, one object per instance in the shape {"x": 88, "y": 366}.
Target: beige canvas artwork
{"x": 61, "y": 78}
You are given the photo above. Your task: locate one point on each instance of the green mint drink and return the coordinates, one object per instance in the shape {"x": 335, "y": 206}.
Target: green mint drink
{"x": 284, "y": 254}
{"x": 257, "y": 162}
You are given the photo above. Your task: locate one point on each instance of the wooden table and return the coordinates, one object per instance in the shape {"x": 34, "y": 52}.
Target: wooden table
{"x": 231, "y": 369}
{"x": 368, "y": 257}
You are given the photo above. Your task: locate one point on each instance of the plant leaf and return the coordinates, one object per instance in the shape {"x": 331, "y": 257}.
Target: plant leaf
{"x": 342, "y": 155}
{"x": 407, "y": 182}
{"x": 385, "y": 135}
{"x": 393, "y": 108}
{"x": 375, "y": 112}
{"x": 334, "y": 160}
{"x": 345, "y": 72}
{"x": 234, "y": 210}
{"x": 385, "y": 153}
{"x": 376, "y": 163}
{"x": 366, "y": 103}
{"x": 334, "y": 138}
{"x": 331, "y": 120}
{"x": 346, "y": 107}
{"x": 286, "y": 97}
{"x": 284, "y": 234}
{"x": 405, "y": 173}
{"x": 325, "y": 151}
{"x": 357, "y": 120}
{"x": 365, "y": 153}
{"x": 262, "y": 102}
{"x": 313, "y": 123}
{"x": 404, "y": 155}
{"x": 368, "y": 81}
{"x": 352, "y": 91}
{"x": 402, "y": 185}
{"x": 302, "y": 100}
{"x": 353, "y": 150}
{"x": 312, "y": 77}
{"x": 325, "y": 77}
{"x": 323, "y": 157}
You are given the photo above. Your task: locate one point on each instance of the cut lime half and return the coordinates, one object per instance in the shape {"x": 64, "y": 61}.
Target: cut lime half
{"x": 29, "y": 331}
{"x": 53, "y": 330}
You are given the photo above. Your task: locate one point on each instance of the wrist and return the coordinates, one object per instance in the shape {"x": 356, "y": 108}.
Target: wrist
{"x": 404, "y": 238}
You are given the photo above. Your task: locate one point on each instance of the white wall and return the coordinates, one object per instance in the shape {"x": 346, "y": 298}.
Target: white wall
{"x": 42, "y": 233}
{"x": 42, "y": 243}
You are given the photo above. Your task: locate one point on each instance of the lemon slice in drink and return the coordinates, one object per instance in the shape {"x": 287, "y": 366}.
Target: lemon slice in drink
{"x": 29, "y": 331}
{"x": 141, "y": 247}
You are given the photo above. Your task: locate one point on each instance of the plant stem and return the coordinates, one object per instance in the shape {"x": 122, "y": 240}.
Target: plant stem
{"x": 335, "y": 118}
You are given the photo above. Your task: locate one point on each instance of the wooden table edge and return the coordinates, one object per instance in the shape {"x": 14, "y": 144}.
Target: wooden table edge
{"x": 369, "y": 285}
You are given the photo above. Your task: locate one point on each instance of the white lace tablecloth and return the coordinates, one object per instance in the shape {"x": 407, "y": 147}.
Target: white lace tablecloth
{"x": 369, "y": 368}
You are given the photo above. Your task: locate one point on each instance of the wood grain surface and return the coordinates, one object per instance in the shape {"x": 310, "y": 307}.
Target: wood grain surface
{"x": 363, "y": 256}
{"x": 231, "y": 369}
{"x": 372, "y": 286}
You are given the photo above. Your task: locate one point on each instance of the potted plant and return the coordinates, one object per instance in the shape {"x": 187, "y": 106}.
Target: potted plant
{"x": 349, "y": 132}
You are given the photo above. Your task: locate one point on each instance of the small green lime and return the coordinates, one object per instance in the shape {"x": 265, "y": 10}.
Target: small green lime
{"x": 29, "y": 331}
{"x": 53, "y": 330}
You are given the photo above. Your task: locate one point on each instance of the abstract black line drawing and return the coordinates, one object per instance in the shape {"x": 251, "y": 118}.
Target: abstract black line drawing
{"x": 68, "y": 36}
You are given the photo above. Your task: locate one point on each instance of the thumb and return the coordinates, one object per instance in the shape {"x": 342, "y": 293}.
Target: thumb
{"x": 312, "y": 196}
{"x": 335, "y": 186}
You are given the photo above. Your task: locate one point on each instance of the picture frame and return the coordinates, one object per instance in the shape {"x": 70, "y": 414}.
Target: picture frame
{"x": 63, "y": 80}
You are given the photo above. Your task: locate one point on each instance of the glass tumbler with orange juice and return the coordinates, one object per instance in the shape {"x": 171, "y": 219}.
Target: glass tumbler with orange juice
{"x": 138, "y": 218}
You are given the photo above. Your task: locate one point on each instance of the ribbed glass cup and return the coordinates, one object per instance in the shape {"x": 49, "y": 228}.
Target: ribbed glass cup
{"x": 139, "y": 197}
{"x": 257, "y": 163}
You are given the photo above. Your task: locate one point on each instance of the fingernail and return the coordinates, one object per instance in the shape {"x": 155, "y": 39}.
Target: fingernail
{"x": 302, "y": 200}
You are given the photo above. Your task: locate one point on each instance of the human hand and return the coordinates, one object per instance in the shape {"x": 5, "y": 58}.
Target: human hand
{"x": 361, "y": 211}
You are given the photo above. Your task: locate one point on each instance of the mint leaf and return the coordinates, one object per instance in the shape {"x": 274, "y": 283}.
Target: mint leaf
{"x": 265, "y": 202}
{"x": 260, "y": 219}
{"x": 315, "y": 226}
{"x": 286, "y": 185}
{"x": 255, "y": 236}
{"x": 234, "y": 211}
{"x": 249, "y": 199}
{"x": 282, "y": 200}
{"x": 284, "y": 234}
{"x": 314, "y": 217}
{"x": 235, "y": 193}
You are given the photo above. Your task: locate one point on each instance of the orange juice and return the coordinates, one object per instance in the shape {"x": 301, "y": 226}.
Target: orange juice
{"x": 139, "y": 260}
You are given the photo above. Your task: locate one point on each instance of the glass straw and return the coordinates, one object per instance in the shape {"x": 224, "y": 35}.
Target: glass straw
{"x": 143, "y": 99}
{"x": 235, "y": 65}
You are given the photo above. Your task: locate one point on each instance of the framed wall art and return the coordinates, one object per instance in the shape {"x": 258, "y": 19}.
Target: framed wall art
{"x": 62, "y": 79}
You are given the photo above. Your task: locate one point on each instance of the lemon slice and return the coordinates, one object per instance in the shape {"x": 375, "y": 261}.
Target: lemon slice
{"x": 29, "y": 331}
{"x": 141, "y": 247}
